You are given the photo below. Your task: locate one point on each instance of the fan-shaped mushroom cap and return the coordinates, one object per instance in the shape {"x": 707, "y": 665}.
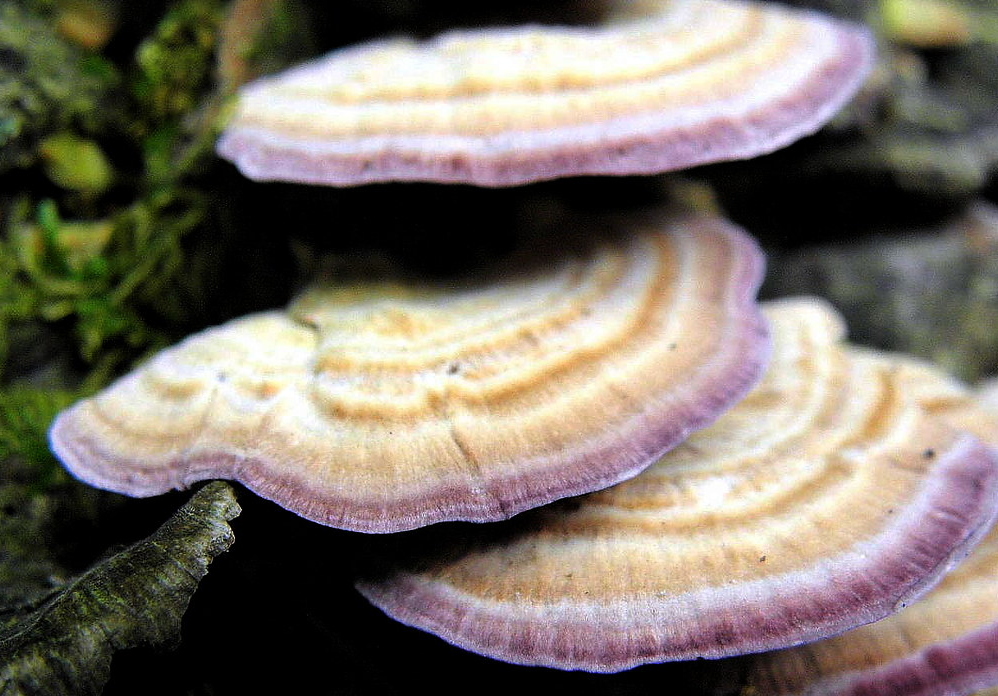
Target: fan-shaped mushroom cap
{"x": 390, "y": 405}
{"x": 826, "y": 499}
{"x": 664, "y": 85}
{"x": 945, "y": 643}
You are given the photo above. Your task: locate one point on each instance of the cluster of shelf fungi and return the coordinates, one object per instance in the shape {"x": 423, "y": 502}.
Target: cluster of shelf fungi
{"x": 689, "y": 473}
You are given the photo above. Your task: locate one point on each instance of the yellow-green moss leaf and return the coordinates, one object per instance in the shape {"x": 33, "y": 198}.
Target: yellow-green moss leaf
{"x": 76, "y": 163}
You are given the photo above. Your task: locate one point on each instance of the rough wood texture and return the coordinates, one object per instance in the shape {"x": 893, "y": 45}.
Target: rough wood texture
{"x": 134, "y": 598}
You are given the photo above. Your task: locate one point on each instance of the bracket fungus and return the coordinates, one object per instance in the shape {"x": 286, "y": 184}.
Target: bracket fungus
{"x": 385, "y": 406}
{"x": 661, "y": 85}
{"x": 945, "y": 643}
{"x": 825, "y": 500}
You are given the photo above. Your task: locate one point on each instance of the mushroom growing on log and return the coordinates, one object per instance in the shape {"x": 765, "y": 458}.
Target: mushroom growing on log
{"x": 827, "y": 499}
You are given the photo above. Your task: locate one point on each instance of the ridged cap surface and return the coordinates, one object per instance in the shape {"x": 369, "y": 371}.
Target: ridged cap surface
{"x": 388, "y": 405}
{"x": 827, "y": 499}
{"x": 661, "y": 86}
{"x": 945, "y": 643}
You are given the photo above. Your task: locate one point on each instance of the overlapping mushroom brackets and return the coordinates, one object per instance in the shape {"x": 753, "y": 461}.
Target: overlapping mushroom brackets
{"x": 663, "y": 85}
{"x": 827, "y": 499}
{"x": 947, "y": 641}
{"x": 384, "y": 406}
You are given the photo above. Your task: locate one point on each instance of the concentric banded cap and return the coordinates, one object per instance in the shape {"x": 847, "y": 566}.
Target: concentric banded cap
{"x": 384, "y": 406}
{"x": 828, "y": 498}
{"x": 946, "y": 642}
{"x": 662, "y": 85}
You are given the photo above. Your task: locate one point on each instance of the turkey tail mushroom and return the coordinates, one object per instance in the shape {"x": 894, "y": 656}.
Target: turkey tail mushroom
{"x": 385, "y": 406}
{"x": 946, "y": 643}
{"x": 663, "y": 85}
{"x": 827, "y": 499}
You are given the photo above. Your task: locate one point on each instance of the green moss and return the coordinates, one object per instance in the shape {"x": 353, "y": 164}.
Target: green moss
{"x": 100, "y": 276}
{"x": 25, "y": 416}
{"x": 76, "y": 163}
{"x": 105, "y": 259}
{"x": 175, "y": 63}
{"x": 47, "y": 85}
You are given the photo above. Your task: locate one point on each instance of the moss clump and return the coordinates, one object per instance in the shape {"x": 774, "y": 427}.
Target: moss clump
{"x": 47, "y": 85}
{"x": 25, "y": 414}
{"x": 103, "y": 160}
{"x": 174, "y": 65}
{"x": 101, "y": 252}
